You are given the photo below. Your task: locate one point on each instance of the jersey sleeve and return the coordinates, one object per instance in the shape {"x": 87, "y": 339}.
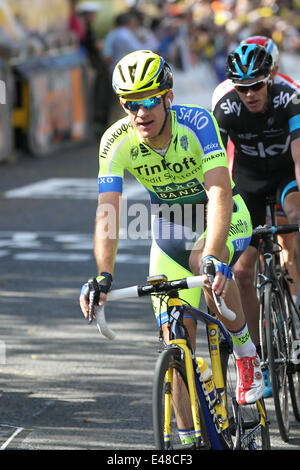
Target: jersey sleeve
{"x": 220, "y": 91}
{"x": 214, "y": 153}
{"x": 112, "y": 157}
{"x": 222, "y": 123}
{"x": 294, "y": 116}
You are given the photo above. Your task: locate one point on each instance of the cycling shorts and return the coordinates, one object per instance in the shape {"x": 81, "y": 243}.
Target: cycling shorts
{"x": 257, "y": 202}
{"x": 173, "y": 241}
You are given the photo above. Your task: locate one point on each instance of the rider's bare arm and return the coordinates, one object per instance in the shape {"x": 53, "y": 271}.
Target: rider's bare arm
{"x": 220, "y": 204}
{"x": 295, "y": 148}
{"x": 106, "y": 239}
{"x": 106, "y": 234}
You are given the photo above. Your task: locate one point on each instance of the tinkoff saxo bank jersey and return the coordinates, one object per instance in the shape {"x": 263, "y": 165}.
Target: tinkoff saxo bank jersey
{"x": 176, "y": 177}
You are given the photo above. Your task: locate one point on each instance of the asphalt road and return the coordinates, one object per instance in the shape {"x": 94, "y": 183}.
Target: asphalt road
{"x": 62, "y": 386}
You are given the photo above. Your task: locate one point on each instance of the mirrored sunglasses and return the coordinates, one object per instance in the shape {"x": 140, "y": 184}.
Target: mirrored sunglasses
{"x": 256, "y": 86}
{"x": 149, "y": 103}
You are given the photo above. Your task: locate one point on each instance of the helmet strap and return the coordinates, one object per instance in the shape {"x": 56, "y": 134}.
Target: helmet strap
{"x": 167, "y": 111}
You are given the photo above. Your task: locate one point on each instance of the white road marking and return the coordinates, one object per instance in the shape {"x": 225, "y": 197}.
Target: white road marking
{"x": 64, "y": 247}
{"x": 55, "y": 256}
{"x": 53, "y": 188}
{"x": 14, "y": 434}
{"x": 72, "y": 188}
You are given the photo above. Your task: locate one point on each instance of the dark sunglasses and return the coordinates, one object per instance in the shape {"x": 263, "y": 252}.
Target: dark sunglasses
{"x": 256, "y": 86}
{"x": 149, "y": 103}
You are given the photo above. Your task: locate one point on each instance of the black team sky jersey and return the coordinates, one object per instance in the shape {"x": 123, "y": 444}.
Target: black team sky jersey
{"x": 262, "y": 140}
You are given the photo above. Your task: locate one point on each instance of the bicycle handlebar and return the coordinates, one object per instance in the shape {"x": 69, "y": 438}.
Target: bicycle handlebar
{"x": 148, "y": 289}
{"x": 266, "y": 230}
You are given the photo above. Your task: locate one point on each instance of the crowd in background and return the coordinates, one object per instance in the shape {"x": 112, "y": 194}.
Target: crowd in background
{"x": 187, "y": 32}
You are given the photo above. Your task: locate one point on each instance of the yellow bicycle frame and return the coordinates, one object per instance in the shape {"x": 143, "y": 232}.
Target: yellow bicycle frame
{"x": 217, "y": 372}
{"x": 182, "y": 343}
{"x": 220, "y": 406}
{"x": 218, "y": 378}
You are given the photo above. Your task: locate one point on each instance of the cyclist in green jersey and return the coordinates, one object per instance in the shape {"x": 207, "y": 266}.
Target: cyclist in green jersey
{"x": 177, "y": 154}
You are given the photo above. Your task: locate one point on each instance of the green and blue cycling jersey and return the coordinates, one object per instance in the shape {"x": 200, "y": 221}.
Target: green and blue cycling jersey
{"x": 176, "y": 177}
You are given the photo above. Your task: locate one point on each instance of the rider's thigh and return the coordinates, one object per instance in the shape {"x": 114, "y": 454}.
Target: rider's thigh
{"x": 244, "y": 268}
{"x": 291, "y": 207}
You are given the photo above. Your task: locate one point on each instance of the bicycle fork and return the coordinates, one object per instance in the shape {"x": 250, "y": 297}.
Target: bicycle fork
{"x": 192, "y": 392}
{"x": 212, "y": 422}
{"x": 214, "y": 347}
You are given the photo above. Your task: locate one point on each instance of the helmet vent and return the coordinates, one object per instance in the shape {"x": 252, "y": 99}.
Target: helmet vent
{"x": 149, "y": 84}
{"x": 132, "y": 70}
{"x": 121, "y": 73}
{"x": 146, "y": 66}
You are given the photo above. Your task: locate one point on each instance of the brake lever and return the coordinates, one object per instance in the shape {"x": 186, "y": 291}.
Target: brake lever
{"x": 210, "y": 271}
{"x": 93, "y": 287}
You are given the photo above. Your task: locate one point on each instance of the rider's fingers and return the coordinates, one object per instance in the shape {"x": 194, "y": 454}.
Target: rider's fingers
{"x": 219, "y": 284}
{"x": 84, "y": 305}
{"x": 102, "y": 299}
{"x": 225, "y": 288}
{"x": 206, "y": 280}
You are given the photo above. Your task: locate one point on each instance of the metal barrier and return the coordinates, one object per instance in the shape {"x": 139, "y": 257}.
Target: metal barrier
{"x": 6, "y": 112}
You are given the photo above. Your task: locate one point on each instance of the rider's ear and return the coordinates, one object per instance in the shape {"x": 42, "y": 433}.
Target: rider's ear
{"x": 170, "y": 97}
{"x": 124, "y": 109}
{"x": 122, "y": 104}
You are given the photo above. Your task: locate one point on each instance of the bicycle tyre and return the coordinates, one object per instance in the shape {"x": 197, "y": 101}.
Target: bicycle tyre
{"x": 277, "y": 355}
{"x": 249, "y": 425}
{"x": 293, "y": 373}
{"x": 294, "y": 387}
{"x": 171, "y": 359}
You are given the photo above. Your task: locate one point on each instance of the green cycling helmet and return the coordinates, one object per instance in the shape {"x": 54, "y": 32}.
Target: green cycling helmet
{"x": 141, "y": 71}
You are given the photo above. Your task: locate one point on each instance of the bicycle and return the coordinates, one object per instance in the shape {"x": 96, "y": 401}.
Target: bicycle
{"x": 220, "y": 424}
{"x": 279, "y": 339}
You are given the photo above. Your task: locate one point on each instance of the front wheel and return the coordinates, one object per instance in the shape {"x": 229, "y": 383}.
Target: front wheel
{"x": 172, "y": 416}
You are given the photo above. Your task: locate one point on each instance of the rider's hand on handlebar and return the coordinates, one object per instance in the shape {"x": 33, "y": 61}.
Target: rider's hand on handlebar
{"x": 218, "y": 274}
{"x": 94, "y": 293}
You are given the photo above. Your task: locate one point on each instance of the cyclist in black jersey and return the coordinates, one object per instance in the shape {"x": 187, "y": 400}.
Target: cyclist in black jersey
{"x": 263, "y": 121}
{"x": 287, "y": 241}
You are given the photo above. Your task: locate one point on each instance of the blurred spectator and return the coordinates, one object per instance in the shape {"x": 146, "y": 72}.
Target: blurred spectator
{"x": 191, "y": 32}
{"x": 144, "y": 31}
{"x": 124, "y": 39}
{"x": 87, "y": 12}
{"x": 75, "y": 22}
{"x": 91, "y": 44}
{"x": 109, "y": 39}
